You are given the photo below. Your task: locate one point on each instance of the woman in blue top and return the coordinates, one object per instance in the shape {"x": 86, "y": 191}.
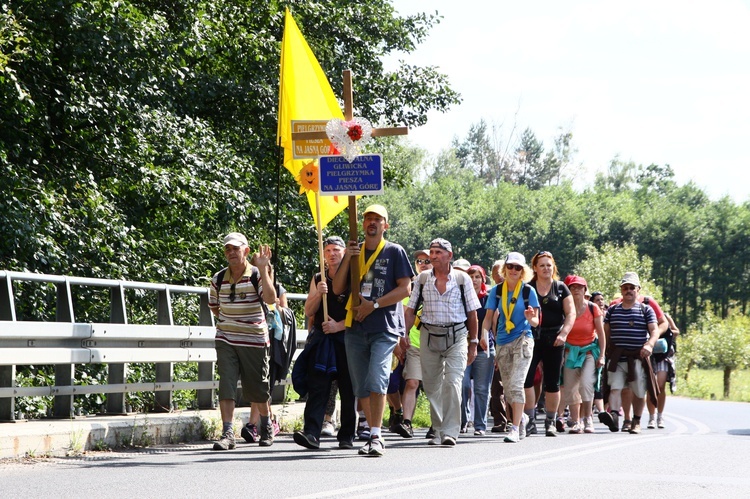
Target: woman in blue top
{"x": 513, "y": 309}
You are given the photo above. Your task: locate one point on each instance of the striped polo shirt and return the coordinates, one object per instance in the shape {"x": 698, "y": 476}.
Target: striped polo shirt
{"x": 628, "y": 328}
{"x": 240, "y": 322}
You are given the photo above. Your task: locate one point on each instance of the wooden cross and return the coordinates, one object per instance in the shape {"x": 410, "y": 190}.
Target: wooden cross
{"x": 376, "y": 132}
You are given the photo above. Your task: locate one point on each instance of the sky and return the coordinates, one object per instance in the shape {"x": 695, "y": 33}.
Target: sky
{"x": 648, "y": 81}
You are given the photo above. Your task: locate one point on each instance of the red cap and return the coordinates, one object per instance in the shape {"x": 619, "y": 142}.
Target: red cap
{"x": 574, "y": 279}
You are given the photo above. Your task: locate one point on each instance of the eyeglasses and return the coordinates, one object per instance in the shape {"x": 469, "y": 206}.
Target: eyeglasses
{"x": 513, "y": 266}
{"x": 627, "y": 287}
{"x": 425, "y": 261}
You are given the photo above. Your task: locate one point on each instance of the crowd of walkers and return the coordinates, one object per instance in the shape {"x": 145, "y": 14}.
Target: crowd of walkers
{"x": 521, "y": 346}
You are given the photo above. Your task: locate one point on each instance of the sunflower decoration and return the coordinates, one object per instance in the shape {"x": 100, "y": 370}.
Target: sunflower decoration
{"x": 308, "y": 177}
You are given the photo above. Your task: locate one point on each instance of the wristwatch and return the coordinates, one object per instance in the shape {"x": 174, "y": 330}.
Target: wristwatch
{"x": 376, "y": 304}
{"x": 474, "y": 340}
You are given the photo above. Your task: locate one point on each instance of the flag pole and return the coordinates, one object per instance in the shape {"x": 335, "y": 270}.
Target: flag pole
{"x": 324, "y": 298}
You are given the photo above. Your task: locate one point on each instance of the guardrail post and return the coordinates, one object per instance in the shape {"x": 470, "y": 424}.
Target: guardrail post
{"x": 205, "y": 369}
{"x": 117, "y": 373}
{"x": 164, "y": 370}
{"x": 7, "y": 373}
{"x": 64, "y": 373}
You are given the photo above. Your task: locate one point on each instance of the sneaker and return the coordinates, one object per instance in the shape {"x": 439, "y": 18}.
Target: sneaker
{"x": 430, "y": 433}
{"x": 395, "y": 422}
{"x": 499, "y": 428}
{"x": 560, "y": 425}
{"x": 377, "y": 447}
{"x": 478, "y": 433}
{"x": 365, "y": 449}
{"x": 512, "y": 436}
{"x": 464, "y": 429}
{"x": 448, "y": 441}
{"x": 405, "y": 430}
{"x": 550, "y": 429}
{"x": 346, "y": 444}
{"x": 635, "y": 428}
{"x": 626, "y": 425}
{"x": 610, "y": 419}
{"x": 651, "y": 423}
{"x": 266, "y": 436}
{"x": 276, "y": 427}
{"x": 588, "y": 425}
{"x": 530, "y": 427}
{"x": 577, "y": 428}
{"x": 436, "y": 440}
{"x": 305, "y": 440}
{"x": 327, "y": 430}
{"x": 660, "y": 422}
{"x": 226, "y": 441}
{"x": 522, "y": 427}
{"x": 249, "y": 433}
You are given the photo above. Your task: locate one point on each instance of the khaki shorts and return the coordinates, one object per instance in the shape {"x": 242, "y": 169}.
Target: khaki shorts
{"x": 413, "y": 364}
{"x": 618, "y": 379}
{"x": 250, "y": 364}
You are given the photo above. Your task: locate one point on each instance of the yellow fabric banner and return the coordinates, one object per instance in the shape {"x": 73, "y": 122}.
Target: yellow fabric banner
{"x": 304, "y": 94}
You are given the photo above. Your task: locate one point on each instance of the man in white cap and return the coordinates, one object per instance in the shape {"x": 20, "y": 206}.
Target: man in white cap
{"x": 631, "y": 332}
{"x": 242, "y": 341}
{"x": 374, "y": 327}
{"x": 462, "y": 264}
{"x": 448, "y": 338}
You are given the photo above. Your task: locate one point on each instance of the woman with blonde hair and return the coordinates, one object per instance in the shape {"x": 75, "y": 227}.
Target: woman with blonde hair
{"x": 512, "y": 311}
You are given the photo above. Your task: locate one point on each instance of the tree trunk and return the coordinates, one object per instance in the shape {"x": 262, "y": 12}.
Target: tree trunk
{"x": 727, "y": 376}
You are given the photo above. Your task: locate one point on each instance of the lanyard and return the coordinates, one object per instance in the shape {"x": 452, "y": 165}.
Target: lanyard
{"x": 364, "y": 267}
{"x": 514, "y": 299}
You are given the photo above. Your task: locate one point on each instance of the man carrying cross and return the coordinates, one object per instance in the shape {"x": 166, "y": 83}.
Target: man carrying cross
{"x": 376, "y": 324}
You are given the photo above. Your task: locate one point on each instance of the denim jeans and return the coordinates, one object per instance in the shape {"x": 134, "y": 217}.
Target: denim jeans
{"x": 481, "y": 371}
{"x": 369, "y": 356}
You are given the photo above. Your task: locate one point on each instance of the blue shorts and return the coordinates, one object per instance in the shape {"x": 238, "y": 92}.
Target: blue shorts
{"x": 369, "y": 356}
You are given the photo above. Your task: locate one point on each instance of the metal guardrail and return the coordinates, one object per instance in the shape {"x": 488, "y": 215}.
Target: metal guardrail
{"x": 65, "y": 343}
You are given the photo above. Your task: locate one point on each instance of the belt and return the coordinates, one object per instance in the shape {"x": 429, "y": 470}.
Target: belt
{"x": 444, "y": 326}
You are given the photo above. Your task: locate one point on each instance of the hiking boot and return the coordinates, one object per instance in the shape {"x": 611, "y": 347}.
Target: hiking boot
{"x": 250, "y": 433}
{"x": 523, "y": 425}
{"x": 659, "y": 422}
{"x": 377, "y": 447}
{"x": 651, "y": 423}
{"x": 549, "y": 428}
{"x": 499, "y": 428}
{"x": 226, "y": 441}
{"x": 395, "y": 421}
{"x": 405, "y": 430}
{"x": 328, "y": 429}
{"x": 305, "y": 440}
{"x": 626, "y": 425}
{"x": 610, "y": 419}
{"x": 266, "y": 436}
{"x": 346, "y": 444}
{"x": 588, "y": 425}
{"x": 512, "y": 436}
{"x": 635, "y": 427}
{"x": 560, "y": 425}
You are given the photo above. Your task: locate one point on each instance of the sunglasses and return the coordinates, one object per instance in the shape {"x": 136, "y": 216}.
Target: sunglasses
{"x": 425, "y": 261}
{"x": 627, "y": 287}
{"x": 544, "y": 253}
{"x": 513, "y": 266}
{"x": 232, "y": 294}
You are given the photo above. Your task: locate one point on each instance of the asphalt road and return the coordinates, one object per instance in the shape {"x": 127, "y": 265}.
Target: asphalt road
{"x": 703, "y": 452}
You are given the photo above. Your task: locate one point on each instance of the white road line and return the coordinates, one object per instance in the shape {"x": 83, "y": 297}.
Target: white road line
{"x": 703, "y": 429}
{"x": 469, "y": 472}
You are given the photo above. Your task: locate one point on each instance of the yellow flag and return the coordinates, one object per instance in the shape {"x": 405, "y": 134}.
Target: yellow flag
{"x": 304, "y": 94}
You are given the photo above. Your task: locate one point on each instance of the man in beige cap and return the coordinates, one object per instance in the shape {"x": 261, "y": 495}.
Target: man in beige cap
{"x": 631, "y": 333}
{"x": 374, "y": 327}
{"x": 242, "y": 342}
